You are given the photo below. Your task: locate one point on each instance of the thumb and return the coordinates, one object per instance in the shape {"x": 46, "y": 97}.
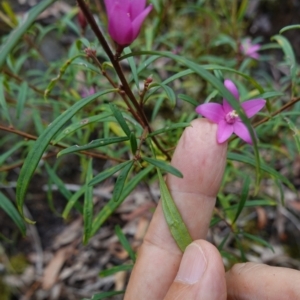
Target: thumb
{"x": 201, "y": 274}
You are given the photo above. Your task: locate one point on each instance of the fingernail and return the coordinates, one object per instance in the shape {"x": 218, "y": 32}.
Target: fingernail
{"x": 192, "y": 266}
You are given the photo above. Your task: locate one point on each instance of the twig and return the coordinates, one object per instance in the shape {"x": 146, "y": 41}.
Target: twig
{"x": 32, "y": 137}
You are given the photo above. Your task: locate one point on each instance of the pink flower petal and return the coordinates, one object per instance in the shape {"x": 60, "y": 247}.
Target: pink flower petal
{"x": 136, "y": 8}
{"x": 251, "y": 107}
{"x": 225, "y": 130}
{"x": 242, "y": 131}
{"x": 109, "y": 4}
{"x": 120, "y": 27}
{"x": 253, "y": 48}
{"x": 226, "y": 106}
{"x": 231, "y": 87}
{"x": 137, "y": 22}
{"x": 212, "y": 111}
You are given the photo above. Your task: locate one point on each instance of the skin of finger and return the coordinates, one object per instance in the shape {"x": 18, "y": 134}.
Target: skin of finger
{"x": 260, "y": 282}
{"x": 201, "y": 160}
{"x": 211, "y": 286}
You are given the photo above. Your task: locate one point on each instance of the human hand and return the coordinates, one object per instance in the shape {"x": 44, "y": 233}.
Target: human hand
{"x": 163, "y": 272}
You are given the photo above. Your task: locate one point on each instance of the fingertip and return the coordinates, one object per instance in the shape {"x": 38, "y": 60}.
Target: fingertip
{"x": 201, "y": 274}
{"x": 200, "y": 158}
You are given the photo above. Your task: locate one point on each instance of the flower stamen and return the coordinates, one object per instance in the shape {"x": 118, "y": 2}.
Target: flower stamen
{"x": 231, "y": 117}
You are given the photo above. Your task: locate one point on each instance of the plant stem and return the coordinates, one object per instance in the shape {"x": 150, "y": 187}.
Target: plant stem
{"x": 114, "y": 60}
{"x": 283, "y": 108}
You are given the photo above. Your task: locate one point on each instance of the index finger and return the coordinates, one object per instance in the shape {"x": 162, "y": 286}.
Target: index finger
{"x": 201, "y": 160}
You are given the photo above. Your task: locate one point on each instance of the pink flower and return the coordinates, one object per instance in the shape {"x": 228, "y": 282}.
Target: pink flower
{"x": 226, "y": 117}
{"x": 88, "y": 92}
{"x": 249, "y": 49}
{"x": 125, "y": 18}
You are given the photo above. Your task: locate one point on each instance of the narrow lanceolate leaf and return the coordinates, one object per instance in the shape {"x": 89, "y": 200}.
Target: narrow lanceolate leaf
{"x": 296, "y": 132}
{"x": 15, "y": 147}
{"x": 92, "y": 145}
{"x": 3, "y": 104}
{"x": 173, "y": 217}
{"x": 115, "y": 270}
{"x": 244, "y": 196}
{"x": 107, "y": 173}
{"x": 88, "y": 205}
{"x": 258, "y": 240}
{"x": 112, "y": 205}
{"x": 263, "y": 167}
{"x": 21, "y": 99}
{"x": 9, "y": 208}
{"x": 106, "y": 295}
{"x": 132, "y": 67}
{"x": 121, "y": 181}
{"x": 125, "y": 243}
{"x": 72, "y": 201}
{"x": 41, "y": 144}
{"x": 133, "y": 143}
{"x": 169, "y": 92}
{"x": 62, "y": 71}
{"x": 120, "y": 119}
{"x": 188, "y": 99}
{"x": 290, "y": 27}
{"x": 163, "y": 165}
{"x": 84, "y": 122}
{"x": 169, "y": 128}
{"x": 288, "y": 52}
{"x": 16, "y": 35}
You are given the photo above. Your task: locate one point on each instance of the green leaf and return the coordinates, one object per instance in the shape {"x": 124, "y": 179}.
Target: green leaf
{"x": 267, "y": 95}
{"x": 21, "y": 99}
{"x": 115, "y": 270}
{"x": 296, "y": 132}
{"x": 59, "y": 183}
{"x": 7, "y": 154}
{"x": 105, "y": 295}
{"x": 133, "y": 143}
{"x": 169, "y": 92}
{"x": 120, "y": 119}
{"x": 16, "y": 35}
{"x": 132, "y": 65}
{"x": 119, "y": 185}
{"x": 9, "y": 208}
{"x": 41, "y": 144}
{"x": 92, "y": 145}
{"x": 3, "y": 103}
{"x": 163, "y": 165}
{"x": 254, "y": 203}
{"x": 169, "y": 128}
{"x": 72, "y": 201}
{"x": 258, "y": 240}
{"x": 288, "y": 51}
{"x": 84, "y": 122}
{"x": 250, "y": 161}
{"x": 125, "y": 243}
{"x": 88, "y": 205}
{"x": 188, "y": 99}
{"x": 244, "y": 196}
{"x": 62, "y": 71}
{"x": 242, "y": 9}
{"x": 107, "y": 173}
{"x": 176, "y": 225}
{"x": 290, "y": 27}
{"x": 112, "y": 205}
